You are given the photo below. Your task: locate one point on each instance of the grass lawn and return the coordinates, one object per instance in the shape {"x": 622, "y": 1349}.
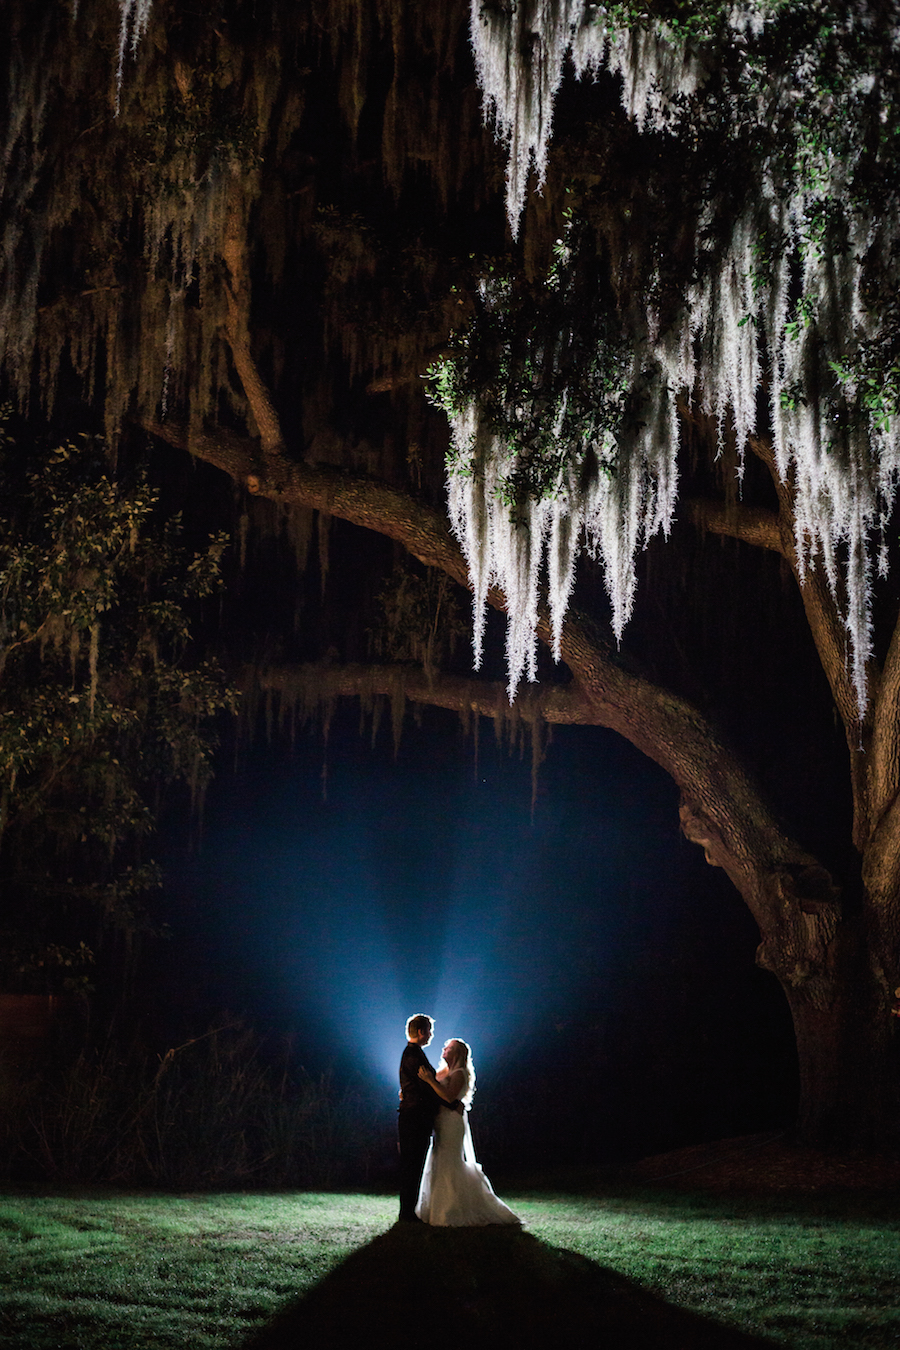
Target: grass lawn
{"x": 631, "y": 1267}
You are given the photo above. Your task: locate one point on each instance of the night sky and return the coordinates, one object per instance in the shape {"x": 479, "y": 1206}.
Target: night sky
{"x": 588, "y": 954}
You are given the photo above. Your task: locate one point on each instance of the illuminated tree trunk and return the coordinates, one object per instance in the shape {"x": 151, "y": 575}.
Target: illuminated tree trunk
{"x": 847, "y": 1051}
{"x": 848, "y": 1068}
{"x": 834, "y": 959}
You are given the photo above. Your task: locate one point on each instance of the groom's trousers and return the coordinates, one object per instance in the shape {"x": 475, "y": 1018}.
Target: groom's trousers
{"x": 414, "y": 1128}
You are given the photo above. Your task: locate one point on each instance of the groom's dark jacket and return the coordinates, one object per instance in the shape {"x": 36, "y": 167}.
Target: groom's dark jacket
{"x": 416, "y": 1095}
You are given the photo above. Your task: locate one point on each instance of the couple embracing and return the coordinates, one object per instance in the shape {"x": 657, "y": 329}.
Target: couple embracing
{"x": 440, "y": 1181}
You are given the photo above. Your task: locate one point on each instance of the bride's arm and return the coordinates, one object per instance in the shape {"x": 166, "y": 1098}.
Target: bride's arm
{"x": 448, "y": 1087}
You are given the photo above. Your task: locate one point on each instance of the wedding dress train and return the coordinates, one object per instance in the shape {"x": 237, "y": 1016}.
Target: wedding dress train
{"x": 455, "y": 1193}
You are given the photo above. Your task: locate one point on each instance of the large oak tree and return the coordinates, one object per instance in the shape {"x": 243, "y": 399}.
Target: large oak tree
{"x": 248, "y": 235}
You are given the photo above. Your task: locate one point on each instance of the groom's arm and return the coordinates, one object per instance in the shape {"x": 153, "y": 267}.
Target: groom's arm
{"x": 416, "y": 1089}
{"x": 453, "y": 1104}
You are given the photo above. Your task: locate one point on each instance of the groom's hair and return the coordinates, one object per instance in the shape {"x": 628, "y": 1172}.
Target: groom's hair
{"x": 418, "y": 1022}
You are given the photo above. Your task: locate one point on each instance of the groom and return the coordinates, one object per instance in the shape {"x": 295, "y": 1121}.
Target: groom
{"x": 419, "y": 1104}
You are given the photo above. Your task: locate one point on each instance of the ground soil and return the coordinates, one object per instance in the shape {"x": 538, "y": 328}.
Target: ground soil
{"x": 769, "y": 1163}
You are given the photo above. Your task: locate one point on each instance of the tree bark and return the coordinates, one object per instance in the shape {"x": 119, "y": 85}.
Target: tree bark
{"x": 848, "y": 1053}
{"x": 554, "y": 705}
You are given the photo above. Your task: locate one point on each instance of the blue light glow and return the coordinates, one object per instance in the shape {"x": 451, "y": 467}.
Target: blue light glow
{"x": 591, "y": 934}
{"x": 420, "y": 885}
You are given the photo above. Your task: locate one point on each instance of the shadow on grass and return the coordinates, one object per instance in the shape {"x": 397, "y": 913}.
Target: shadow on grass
{"x": 420, "y": 1287}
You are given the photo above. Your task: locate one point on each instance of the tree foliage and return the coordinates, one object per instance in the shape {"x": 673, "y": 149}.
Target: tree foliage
{"x": 103, "y": 702}
{"x": 770, "y": 273}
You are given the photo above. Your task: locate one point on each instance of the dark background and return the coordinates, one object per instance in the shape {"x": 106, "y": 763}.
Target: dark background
{"x": 601, "y": 971}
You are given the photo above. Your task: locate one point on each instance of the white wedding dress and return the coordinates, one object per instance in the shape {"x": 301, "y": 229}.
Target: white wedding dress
{"x": 455, "y": 1193}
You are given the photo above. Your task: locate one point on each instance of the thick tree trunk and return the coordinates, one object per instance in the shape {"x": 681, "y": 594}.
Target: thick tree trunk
{"x": 848, "y": 1052}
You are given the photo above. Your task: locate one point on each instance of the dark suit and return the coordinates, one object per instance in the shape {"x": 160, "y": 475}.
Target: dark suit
{"x": 419, "y": 1104}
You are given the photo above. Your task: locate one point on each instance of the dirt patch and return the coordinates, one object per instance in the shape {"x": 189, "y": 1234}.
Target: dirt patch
{"x": 768, "y": 1162}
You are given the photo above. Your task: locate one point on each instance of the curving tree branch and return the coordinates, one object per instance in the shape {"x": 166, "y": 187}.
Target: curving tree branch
{"x": 751, "y": 525}
{"x": 789, "y": 893}
{"x": 553, "y": 704}
{"x": 237, "y": 332}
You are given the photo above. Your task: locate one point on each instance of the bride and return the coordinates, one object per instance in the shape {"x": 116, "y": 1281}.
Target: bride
{"x": 455, "y": 1193}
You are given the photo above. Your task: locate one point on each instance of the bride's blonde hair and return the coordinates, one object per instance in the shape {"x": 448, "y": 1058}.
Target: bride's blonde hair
{"x": 463, "y": 1060}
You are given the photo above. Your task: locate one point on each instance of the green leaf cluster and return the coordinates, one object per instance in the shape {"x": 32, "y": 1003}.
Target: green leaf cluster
{"x": 549, "y": 368}
{"x": 104, "y": 698}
